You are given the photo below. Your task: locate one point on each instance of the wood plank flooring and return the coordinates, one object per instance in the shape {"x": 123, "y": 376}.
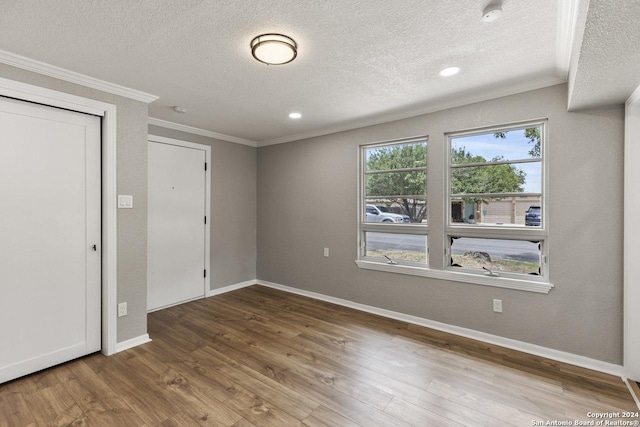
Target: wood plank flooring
{"x": 261, "y": 357}
{"x": 635, "y": 389}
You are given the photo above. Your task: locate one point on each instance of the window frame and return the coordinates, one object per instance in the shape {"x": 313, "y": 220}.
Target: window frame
{"x": 504, "y": 231}
{"x": 394, "y": 228}
{"x": 440, "y": 268}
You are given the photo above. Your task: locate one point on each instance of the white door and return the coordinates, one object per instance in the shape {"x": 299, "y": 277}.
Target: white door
{"x": 176, "y": 225}
{"x": 49, "y": 224}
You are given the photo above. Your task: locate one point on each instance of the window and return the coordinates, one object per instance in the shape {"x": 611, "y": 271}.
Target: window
{"x": 495, "y": 177}
{"x": 496, "y": 221}
{"x": 393, "y": 219}
{"x": 489, "y": 205}
{"x": 496, "y": 255}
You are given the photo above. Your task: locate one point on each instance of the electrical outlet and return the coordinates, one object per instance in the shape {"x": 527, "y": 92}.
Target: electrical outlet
{"x": 125, "y": 201}
{"x": 122, "y": 309}
{"x": 497, "y": 305}
{"x": 326, "y": 252}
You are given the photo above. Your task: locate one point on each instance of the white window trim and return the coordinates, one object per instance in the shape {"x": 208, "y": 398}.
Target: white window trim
{"x": 537, "y": 284}
{"x": 455, "y": 276}
{"x": 488, "y": 129}
{"x": 363, "y": 227}
{"x": 506, "y": 231}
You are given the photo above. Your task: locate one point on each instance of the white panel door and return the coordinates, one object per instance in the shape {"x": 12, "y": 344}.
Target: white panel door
{"x": 49, "y": 222}
{"x": 176, "y": 227}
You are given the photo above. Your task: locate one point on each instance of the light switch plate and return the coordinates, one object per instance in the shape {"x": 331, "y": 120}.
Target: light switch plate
{"x": 125, "y": 201}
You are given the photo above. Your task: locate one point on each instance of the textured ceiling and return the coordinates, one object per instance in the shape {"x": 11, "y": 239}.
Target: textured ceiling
{"x": 359, "y": 61}
{"x": 606, "y": 68}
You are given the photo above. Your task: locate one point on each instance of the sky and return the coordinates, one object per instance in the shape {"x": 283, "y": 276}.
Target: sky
{"x": 514, "y": 147}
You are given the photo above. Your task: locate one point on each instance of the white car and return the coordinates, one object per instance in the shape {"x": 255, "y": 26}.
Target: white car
{"x": 382, "y": 214}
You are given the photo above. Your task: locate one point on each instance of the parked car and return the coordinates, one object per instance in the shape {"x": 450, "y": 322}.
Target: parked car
{"x": 382, "y": 214}
{"x": 532, "y": 216}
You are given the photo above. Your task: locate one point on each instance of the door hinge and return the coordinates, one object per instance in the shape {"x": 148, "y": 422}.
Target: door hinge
{"x": 205, "y": 219}
{"x": 205, "y": 166}
{"x": 205, "y": 273}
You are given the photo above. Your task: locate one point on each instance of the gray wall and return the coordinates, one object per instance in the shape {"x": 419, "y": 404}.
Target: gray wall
{"x": 132, "y": 179}
{"x": 307, "y": 193}
{"x": 233, "y": 227}
{"x": 233, "y": 207}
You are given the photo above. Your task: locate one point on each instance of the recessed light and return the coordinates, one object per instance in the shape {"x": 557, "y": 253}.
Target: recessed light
{"x": 451, "y": 71}
{"x": 492, "y": 12}
{"x": 295, "y": 115}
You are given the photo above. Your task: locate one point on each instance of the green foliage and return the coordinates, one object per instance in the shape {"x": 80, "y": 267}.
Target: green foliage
{"x": 533, "y": 137}
{"x": 483, "y": 179}
{"x": 398, "y": 187}
{"x": 392, "y": 186}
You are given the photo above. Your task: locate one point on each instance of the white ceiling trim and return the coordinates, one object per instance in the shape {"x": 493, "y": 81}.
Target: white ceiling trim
{"x": 40, "y": 95}
{"x": 634, "y": 98}
{"x": 29, "y": 64}
{"x": 201, "y": 132}
{"x": 567, "y": 18}
{"x": 432, "y": 108}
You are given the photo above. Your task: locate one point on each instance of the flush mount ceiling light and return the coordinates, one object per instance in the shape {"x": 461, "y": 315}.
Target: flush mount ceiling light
{"x": 492, "y": 12}
{"x": 274, "y": 49}
{"x": 448, "y": 72}
{"x": 295, "y": 115}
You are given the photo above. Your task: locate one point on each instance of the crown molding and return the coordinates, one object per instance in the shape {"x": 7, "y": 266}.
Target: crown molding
{"x": 29, "y": 64}
{"x": 567, "y": 19}
{"x": 201, "y": 132}
{"x": 634, "y": 98}
{"x": 440, "y": 105}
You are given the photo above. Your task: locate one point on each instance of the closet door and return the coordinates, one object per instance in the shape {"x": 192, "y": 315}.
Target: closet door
{"x": 49, "y": 236}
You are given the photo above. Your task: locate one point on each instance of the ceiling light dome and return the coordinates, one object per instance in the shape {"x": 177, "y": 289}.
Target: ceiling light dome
{"x": 274, "y": 49}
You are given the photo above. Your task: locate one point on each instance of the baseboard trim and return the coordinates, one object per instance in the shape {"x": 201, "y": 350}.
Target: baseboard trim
{"x": 133, "y": 342}
{"x": 560, "y": 356}
{"x": 537, "y": 350}
{"x": 235, "y": 287}
{"x": 176, "y": 303}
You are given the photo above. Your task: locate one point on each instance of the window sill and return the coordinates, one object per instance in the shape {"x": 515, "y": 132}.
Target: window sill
{"x": 476, "y": 279}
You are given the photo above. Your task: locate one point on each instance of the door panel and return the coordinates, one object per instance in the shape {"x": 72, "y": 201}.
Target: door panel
{"x": 49, "y": 221}
{"x": 176, "y": 230}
